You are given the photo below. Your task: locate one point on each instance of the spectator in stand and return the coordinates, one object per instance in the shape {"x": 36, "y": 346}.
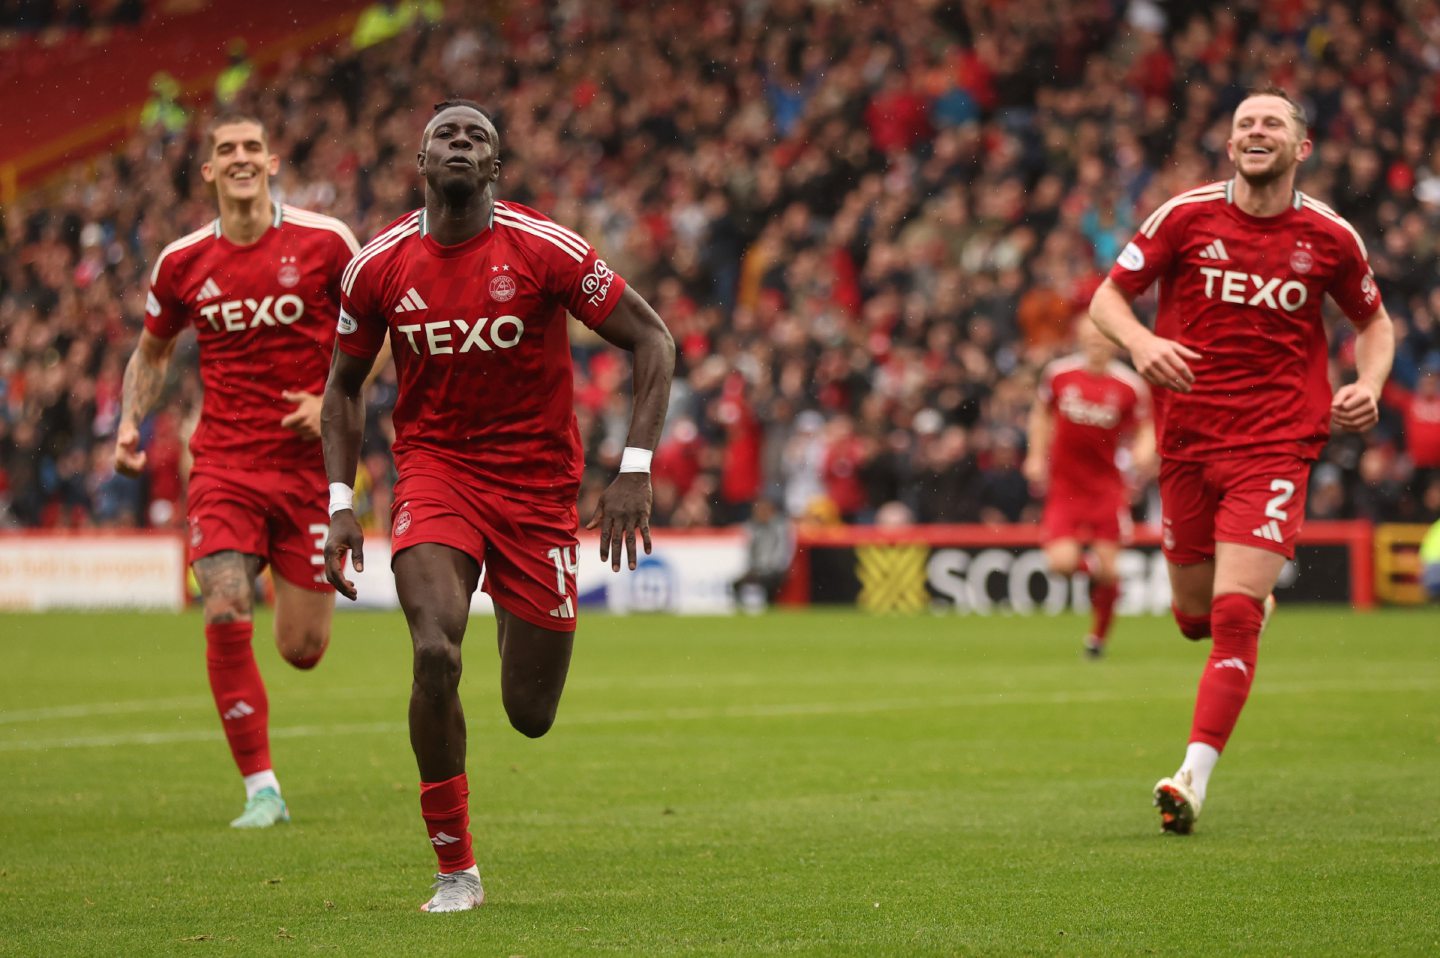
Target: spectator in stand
{"x": 867, "y": 210}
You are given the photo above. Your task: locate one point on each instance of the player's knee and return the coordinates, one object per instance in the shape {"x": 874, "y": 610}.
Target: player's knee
{"x": 1236, "y": 619}
{"x": 437, "y": 666}
{"x": 226, "y": 608}
{"x": 1063, "y": 565}
{"x": 530, "y": 717}
{"x": 1193, "y": 627}
{"x": 307, "y": 654}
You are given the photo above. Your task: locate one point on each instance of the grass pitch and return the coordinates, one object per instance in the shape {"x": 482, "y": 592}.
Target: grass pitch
{"x": 795, "y": 784}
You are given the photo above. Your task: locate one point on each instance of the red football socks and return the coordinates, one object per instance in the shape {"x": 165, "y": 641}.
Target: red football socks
{"x": 445, "y": 807}
{"x": 1102, "y": 607}
{"x": 1230, "y": 670}
{"x": 239, "y": 693}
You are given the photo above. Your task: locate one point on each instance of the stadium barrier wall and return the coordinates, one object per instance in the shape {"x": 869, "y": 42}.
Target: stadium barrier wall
{"x": 1001, "y": 569}
{"x": 1397, "y": 563}
{"x": 688, "y": 573}
{"x": 955, "y": 568}
{"x": 91, "y": 570}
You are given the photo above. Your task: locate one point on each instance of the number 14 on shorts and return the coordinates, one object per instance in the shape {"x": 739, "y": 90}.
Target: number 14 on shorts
{"x": 566, "y": 561}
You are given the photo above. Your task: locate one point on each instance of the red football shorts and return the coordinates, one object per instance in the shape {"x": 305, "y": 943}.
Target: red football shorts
{"x": 1088, "y": 518}
{"x": 282, "y": 517}
{"x": 528, "y": 549}
{"x": 1255, "y": 501}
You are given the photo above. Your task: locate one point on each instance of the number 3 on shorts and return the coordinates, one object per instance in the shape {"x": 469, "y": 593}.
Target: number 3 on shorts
{"x": 1286, "y": 489}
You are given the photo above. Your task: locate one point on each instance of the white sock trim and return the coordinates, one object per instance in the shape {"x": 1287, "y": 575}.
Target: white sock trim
{"x": 265, "y": 779}
{"x": 1200, "y": 761}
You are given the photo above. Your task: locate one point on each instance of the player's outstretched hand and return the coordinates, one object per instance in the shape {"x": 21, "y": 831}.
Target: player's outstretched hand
{"x": 305, "y": 420}
{"x": 129, "y": 459}
{"x": 623, "y": 510}
{"x": 1163, "y": 363}
{"x": 1354, "y": 408}
{"x": 345, "y": 538}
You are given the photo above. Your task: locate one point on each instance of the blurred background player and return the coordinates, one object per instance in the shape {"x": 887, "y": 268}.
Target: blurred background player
{"x": 475, "y": 293}
{"x": 261, "y": 287}
{"x": 1086, "y": 406}
{"x": 1245, "y": 406}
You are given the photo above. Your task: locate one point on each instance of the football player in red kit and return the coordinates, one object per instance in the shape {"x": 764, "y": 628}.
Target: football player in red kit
{"x": 474, "y": 293}
{"x": 261, "y": 287}
{"x": 1086, "y": 408}
{"x": 1244, "y": 405}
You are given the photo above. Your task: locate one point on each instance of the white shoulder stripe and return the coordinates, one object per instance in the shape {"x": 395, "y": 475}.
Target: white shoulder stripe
{"x": 316, "y": 221}
{"x": 560, "y": 233}
{"x": 189, "y": 239}
{"x": 1335, "y": 217}
{"x": 568, "y": 249}
{"x": 1129, "y": 376}
{"x": 545, "y": 224}
{"x": 1206, "y": 194}
{"x": 352, "y": 272}
{"x": 375, "y": 245}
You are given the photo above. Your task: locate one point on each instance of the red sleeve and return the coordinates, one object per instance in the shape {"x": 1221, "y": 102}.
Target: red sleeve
{"x": 587, "y": 287}
{"x": 1353, "y": 286}
{"x": 361, "y": 327}
{"x": 165, "y": 315}
{"x": 1148, "y": 255}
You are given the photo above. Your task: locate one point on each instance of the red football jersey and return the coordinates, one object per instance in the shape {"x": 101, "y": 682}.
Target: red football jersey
{"x": 265, "y": 317}
{"x": 1245, "y": 293}
{"x": 481, "y": 346}
{"x": 1090, "y": 413}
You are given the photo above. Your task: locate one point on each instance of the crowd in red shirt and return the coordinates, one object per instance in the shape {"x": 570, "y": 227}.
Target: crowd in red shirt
{"x": 867, "y": 225}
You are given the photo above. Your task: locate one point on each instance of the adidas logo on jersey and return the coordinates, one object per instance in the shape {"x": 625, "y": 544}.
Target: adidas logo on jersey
{"x": 1215, "y": 250}
{"x": 208, "y": 289}
{"x": 1270, "y": 530}
{"x": 411, "y": 302}
{"x": 239, "y": 710}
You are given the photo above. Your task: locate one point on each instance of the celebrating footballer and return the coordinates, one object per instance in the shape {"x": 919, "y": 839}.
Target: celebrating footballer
{"x": 1244, "y": 405}
{"x": 474, "y": 293}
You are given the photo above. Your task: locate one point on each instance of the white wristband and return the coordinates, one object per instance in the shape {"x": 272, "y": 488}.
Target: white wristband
{"x": 635, "y": 460}
{"x": 341, "y": 497}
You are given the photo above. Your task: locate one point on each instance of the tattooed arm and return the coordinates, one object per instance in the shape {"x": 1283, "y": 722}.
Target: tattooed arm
{"x": 144, "y": 377}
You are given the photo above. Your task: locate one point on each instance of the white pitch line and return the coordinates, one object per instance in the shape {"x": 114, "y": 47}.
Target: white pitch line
{"x": 778, "y": 710}
{"x": 135, "y": 706}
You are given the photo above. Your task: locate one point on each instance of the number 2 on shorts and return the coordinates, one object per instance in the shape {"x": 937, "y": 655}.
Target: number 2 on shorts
{"x": 1286, "y": 488}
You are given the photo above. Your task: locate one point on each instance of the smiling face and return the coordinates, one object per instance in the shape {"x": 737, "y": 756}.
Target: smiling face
{"x": 459, "y": 152}
{"x": 1266, "y": 141}
{"x": 240, "y": 163}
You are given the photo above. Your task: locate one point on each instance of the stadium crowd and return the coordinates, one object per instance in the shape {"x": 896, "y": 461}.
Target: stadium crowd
{"x": 867, "y": 225}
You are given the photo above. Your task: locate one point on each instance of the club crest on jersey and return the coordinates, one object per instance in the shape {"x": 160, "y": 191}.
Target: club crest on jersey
{"x": 1301, "y": 261}
{"x": 502, "y": 285}
{"x": 289, "y": 275}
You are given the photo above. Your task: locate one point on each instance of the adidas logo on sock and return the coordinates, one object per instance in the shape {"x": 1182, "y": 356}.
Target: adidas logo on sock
{"x": 1233, "y": 664}
{"x": 239, "y": 710}
{"x": 411, "y": 302}
{"x": 1270, "y": 530}
{"x": 441, "y": 839}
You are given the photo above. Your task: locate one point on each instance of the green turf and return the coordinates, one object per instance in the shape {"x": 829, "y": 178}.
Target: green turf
{"x": 816, "y": 784}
